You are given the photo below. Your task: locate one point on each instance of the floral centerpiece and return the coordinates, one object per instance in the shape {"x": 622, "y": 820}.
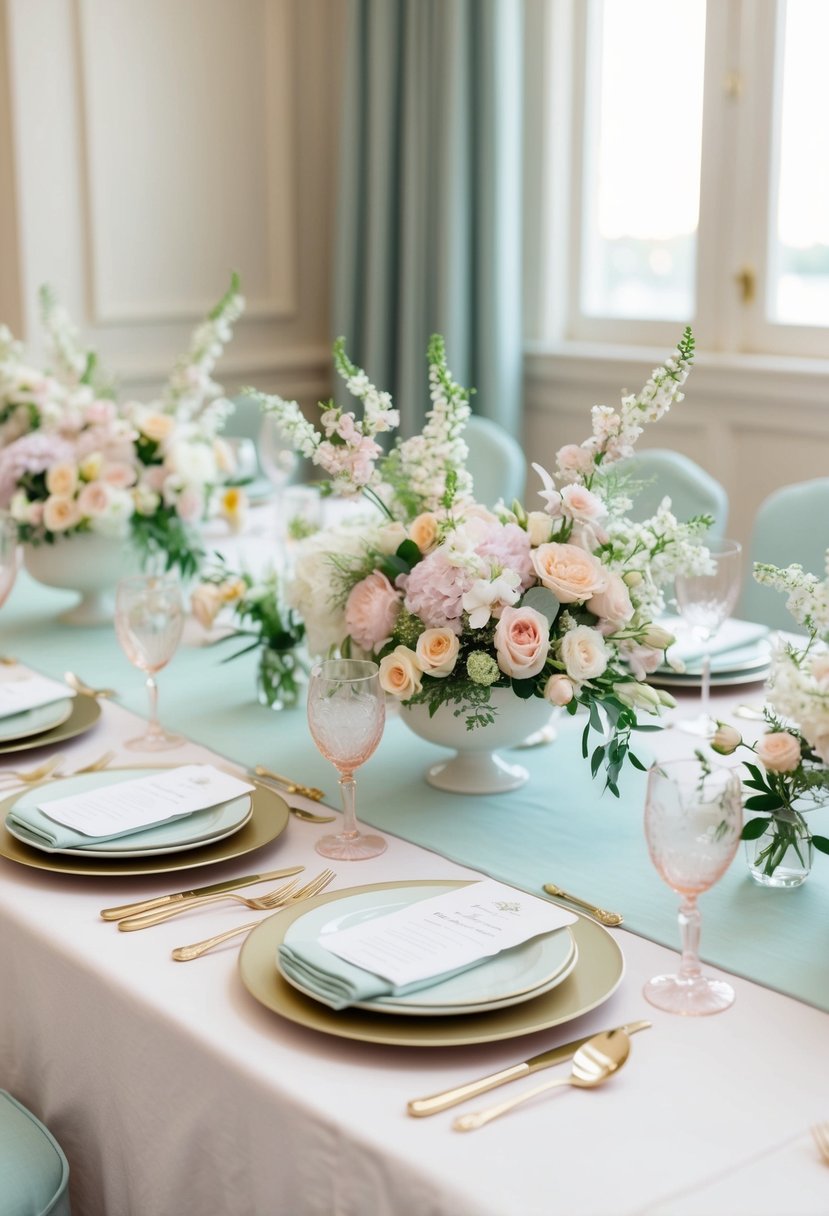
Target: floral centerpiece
{"x": 792, "y": 773}
{"x": 459, "y": 600}
{"x": 73, "y": 461}
{"x": 264, "y": 620}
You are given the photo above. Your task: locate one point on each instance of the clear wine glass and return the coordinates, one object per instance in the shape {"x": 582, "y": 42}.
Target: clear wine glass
{"x": 8, "y": 556}
{"x": 149, "y": 618}
{"x": 280, "y": 461}
{"x": 346, "y": 715}
{"x": 705, "y": 601}
{"x": 693, "y": 820}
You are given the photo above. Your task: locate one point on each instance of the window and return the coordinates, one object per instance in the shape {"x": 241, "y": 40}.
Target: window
{"x": 700, "y": 173}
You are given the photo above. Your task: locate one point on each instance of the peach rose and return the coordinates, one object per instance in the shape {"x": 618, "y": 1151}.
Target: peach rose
{"x": 522, "y": 642}
{"x": 62, "y": 480}
{"x": 573, "y": 575}
{"x": 779, "y": 751}
{"x": 424, "y": 531}
{"x": 613, "y": 604}
{"x": 371, "y": 611}
{"x": 119, "y": 474}
{"x": 437, "y": 652}
{"x": 584, "y": 653}
{"x": 559, "y": 690}
{"x": 93, "y": 498}
{"x": 59, "y": 513}
{"x": 205, "y": 603}
{"x": 400, "y": 674}
{"x": 157, "y": 427}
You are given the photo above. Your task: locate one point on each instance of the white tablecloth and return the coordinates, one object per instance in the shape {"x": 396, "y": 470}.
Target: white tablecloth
{"x": 174, "y": 1092}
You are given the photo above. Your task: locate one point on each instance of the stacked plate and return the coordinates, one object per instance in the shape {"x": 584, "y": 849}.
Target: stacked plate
{"x": 44, "y": 725}
{"x": 740, "y": 654}
{"x": 226, "y": 830}
{"x": 542, "y": 983}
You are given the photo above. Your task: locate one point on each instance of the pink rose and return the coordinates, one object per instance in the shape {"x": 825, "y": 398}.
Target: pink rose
{"x": 819, "y": 668}
{"x": 371, "y": 611}
{"x": 100, "y": 411}
{"x": 572, "y": 575}
{"x": 118, "y": 474}
{"x": 93, "y": 498}
{"x": 779, "y": 751}
{"x": 522, "y": 641}
{"x": 612, "y": 605}
{"x": 573, "y": 460}
{"x": 190, "y": 505}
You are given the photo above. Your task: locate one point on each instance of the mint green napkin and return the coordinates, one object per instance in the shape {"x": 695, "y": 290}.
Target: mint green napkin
{"x": 339, "y": 984}
{"x": 30, "y": 824}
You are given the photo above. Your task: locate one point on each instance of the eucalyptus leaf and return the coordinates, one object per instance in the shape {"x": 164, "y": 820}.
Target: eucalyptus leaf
{"x": 543, "y": 601}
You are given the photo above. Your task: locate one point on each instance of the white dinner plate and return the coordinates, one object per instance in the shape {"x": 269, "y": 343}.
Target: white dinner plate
{"x": 515, "y": 975}
{"x": 34, "y": 721}
{"x": 202, "y": 827}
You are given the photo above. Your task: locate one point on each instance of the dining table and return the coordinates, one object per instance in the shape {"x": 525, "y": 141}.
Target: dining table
{"x": 174, "y": 1088}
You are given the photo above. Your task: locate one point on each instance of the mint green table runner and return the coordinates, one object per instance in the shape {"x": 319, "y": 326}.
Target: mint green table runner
{"x": 558, "y": 827}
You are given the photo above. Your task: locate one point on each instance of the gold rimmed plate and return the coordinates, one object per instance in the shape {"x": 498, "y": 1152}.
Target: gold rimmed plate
{"x": 594, "y": 979}
{"x": 268, "y": 819}
{"x": 84, "y": 714}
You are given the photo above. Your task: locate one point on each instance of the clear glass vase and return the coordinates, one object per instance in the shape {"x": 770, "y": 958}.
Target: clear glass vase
{"x": 279, "y": 678}
{"x": 782, "y": 856}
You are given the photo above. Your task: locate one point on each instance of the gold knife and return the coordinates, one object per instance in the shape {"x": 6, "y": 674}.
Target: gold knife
{"x": 419, "y": 1107}
{"x": 162, "y": 901}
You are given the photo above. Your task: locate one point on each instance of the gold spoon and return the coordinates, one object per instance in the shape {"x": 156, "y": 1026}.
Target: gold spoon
{"x": 593, "y": 1063}
{"x": 307, "y": 791}
{"x": 309, "y": 816}
{"x": 86, "y": 690}
{"x": 601, "y": 914}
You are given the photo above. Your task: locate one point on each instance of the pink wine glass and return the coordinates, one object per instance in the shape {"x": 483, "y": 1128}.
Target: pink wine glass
{"x": 149, "y": 618}
{"x": 693, "y": 820}
{"x": 346, "y": 716}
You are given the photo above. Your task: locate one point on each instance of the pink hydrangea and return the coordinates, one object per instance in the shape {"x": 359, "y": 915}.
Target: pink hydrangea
{"x": 434, "y": 591}
{"x": 32, "y": 453}
{"x": 509, "y": 546}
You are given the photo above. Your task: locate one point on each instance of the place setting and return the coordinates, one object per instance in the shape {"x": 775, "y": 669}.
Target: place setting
{"x": 37, "y": 711}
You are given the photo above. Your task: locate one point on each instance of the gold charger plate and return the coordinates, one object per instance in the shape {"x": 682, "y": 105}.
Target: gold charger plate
{"x": 596, "y": 976}
{"x": 268, "y": 819}
{"x": 85, "y": 713}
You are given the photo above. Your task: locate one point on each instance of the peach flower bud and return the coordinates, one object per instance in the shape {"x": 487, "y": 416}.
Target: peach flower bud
{"x": 62, "y": 480}
{"x": 572, "y": 574}
{"x": 423, "y": 530}
{"x": 400, "y": 674}
{"x": 437, "y": 652}
{"x": 726, "y": 739}
{"x": 205, "y": 603}
{"x": 779, "y": 751}
{"x": 559, "y": 690}
{"x": 157, "y": 427}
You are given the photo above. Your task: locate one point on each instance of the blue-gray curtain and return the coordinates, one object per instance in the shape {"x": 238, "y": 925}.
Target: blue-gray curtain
{"x": 429, "y": 204}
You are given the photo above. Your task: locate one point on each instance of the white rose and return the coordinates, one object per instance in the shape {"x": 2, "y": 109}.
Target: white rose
{"x": 194, "y": 463}
{"x": 539, "y": 528}
{"x": 584, "y": 653}
{"x": 19, "y": 507}
{"x": 391, "y": 537}
{"x": 115, "y": 520}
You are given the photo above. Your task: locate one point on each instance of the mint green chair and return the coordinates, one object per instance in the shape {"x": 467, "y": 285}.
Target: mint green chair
{"x": 496, "y": 461}
{"x": 34, "y": 1173}
{"x": 791, "y": 525}
{"x": 691, "y": 489}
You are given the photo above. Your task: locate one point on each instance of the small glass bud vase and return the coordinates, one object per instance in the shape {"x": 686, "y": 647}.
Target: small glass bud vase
{"x": 279, "y": 678}
{"x": 782, "y": 856}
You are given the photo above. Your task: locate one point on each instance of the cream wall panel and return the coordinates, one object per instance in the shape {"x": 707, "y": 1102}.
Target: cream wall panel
{"x": 157, "y": 144}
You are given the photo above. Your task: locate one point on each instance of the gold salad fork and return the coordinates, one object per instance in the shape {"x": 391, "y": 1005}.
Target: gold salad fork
{"x": 183, "y": 954}
{"x": 86, "y": 690}
{"x": 820, "y": 1131}
{"x": 292, "y": 787}
{"x": 145, "y": 920}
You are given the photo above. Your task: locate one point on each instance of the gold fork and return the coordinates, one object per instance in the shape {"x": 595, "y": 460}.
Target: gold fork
{"x": 183, "y": 954}
{"x": 820, "y": 1131}
{"x": 48, "y": 769}
{"x": 145, "y": 920}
